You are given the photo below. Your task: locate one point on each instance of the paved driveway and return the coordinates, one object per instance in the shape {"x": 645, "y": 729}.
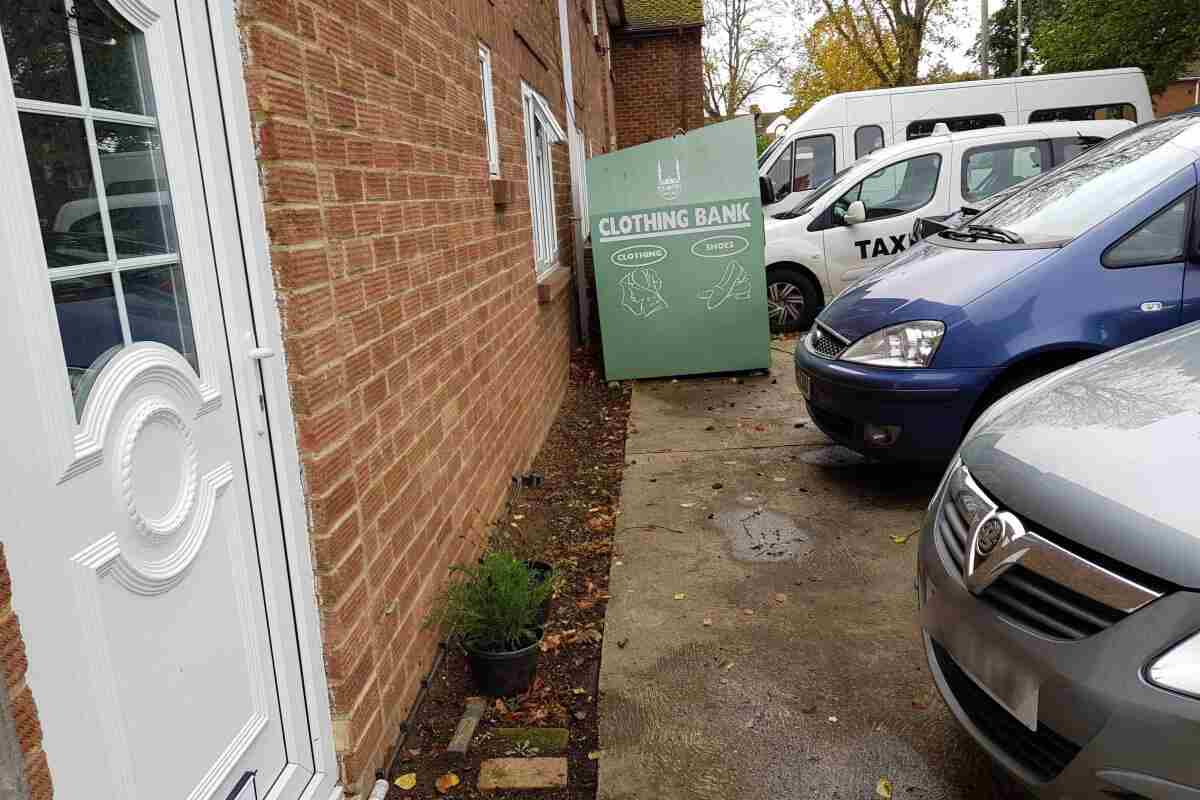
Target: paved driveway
{"x": 761, "y": 638}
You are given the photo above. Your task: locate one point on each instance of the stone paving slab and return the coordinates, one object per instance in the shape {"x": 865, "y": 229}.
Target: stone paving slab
{"x": 769, "y": 620}
{"x": 522, "y": 773}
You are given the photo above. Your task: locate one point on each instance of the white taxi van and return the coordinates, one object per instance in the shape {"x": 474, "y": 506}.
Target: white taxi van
{"x": 863, "y": 217}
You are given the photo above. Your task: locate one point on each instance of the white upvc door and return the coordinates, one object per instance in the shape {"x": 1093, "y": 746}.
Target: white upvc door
{"x": 144, "y": 537}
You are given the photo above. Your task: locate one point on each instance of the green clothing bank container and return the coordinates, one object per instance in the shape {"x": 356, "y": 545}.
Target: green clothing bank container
{"x": 677, "y": 244}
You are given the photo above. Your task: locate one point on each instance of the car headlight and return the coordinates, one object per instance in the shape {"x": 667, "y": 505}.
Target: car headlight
{"x": 910, "y": 344}
{"x": 1178, "y": 669}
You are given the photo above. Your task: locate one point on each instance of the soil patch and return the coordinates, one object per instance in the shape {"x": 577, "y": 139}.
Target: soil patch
{"x": 567, "y": 521}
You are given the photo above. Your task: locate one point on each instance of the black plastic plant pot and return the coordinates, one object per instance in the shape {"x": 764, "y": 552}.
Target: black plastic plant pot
{"x": 505, "y": 673}
{"x": 541, "y": 571}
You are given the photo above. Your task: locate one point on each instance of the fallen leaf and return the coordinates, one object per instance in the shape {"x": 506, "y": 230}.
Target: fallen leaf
{"x": 446, "y": 782}
{"x": 833, "y": 719}
{"x": 884, "y": 789}
{"x": 749, "y": 612}
{"x": 681, "y": 595}
{"x": 406, "y": 781}
{"x": 578, "y": 691}
{"x": 687, "y": 505}
{"x": 595, "y": 754}
{"x": 621, "y": 644}
{"x": 903, "y": 539}
{"x": 779, "y": 480}
{"x": 707, "y": 622}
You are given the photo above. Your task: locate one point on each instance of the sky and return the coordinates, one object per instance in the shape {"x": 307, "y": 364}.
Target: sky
{"x": 778, "y": 99}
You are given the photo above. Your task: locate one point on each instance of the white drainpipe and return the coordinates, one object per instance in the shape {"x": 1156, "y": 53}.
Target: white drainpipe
{"x": 578, "y": 172}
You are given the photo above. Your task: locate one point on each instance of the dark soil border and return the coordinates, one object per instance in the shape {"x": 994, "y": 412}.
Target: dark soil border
{"x": 568, "y": 521}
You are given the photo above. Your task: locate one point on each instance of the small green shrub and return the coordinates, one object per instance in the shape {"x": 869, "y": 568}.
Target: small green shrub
{"x": 494, "y": 605}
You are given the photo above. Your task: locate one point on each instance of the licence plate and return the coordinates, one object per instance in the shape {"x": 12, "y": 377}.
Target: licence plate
{"x": 1002, "y": 677}
{"x": 805, "y": 383}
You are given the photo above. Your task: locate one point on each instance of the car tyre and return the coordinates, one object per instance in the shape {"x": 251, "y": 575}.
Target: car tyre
{"x": 1005, "y": 786}
{"x": 793, "y": 299}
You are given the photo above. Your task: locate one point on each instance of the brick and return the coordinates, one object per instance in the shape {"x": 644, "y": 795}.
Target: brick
{"x": 276, "y": 52}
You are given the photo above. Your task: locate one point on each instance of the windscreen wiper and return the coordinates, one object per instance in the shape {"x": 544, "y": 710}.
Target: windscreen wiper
{"x": 997, "y": 234}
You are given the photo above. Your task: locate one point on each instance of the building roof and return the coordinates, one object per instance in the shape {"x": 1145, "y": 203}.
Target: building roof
{"x": 653, "y": 14}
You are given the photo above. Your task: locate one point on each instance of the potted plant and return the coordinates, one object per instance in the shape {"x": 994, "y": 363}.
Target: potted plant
{"x": 496, "y": 609}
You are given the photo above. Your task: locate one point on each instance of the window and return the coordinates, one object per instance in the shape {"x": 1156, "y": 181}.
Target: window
{"x": 867, "y": 139}
{"x": 541, "y": 131}
{"x": 993, "y": 168}
{"x": 99, "y": 184}
{"x": 1083, "y": 113}
{"x": 802, "y": 165}
{"x": 896, "y": 189}
{"x": 489, "y": 111}
{"x": 919, "y": 129}
{"x": 1158, "y": 240}
{"x": 1066, "y": 149}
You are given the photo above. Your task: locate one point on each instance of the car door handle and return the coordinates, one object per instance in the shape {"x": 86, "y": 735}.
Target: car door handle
{"x": 1152, "y": 305}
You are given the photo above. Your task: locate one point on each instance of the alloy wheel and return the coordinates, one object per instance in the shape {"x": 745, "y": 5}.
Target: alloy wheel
{"x": 785, "y": 303}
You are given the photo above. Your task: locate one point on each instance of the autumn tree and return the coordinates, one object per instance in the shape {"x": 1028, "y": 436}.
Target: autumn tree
{"x": 831, "y": 65}
{"x": 1160, "y": 36}
{"x": 890, "y": 36}
{"x": 743, "y": 54}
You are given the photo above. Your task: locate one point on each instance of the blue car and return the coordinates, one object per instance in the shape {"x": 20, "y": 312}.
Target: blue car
{"x": 1097, "y": 254}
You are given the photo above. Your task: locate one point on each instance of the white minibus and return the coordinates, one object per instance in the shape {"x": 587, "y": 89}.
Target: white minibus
{"x": 842, "y": 128}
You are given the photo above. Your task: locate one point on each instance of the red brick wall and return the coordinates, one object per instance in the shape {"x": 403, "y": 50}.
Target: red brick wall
{"x": 424, "y": 372}
{"x": 658, "y": 84}
{"x": 20, "y": 699}
{"x": 1176, "y": 97}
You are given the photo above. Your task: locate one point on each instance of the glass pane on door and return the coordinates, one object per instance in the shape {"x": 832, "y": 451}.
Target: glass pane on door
{"x": 60, "y": 166}
{"x": 111, "y": 244}
{"x": 38, "y": 45}
{"x": 114, "y": 60}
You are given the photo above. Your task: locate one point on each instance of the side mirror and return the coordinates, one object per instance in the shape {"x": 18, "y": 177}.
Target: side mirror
{"x": 856, "y": 213}
{"x": 766, "y": 191}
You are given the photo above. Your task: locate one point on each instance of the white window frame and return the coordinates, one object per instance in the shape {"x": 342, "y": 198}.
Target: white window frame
{"x": 489, "y": 110}
{"x": 541, "y": 131}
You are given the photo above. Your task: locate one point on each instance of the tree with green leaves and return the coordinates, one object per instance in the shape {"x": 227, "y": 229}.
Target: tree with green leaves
{"x": 891, "y": 37}
{"x": 1002, "y": 36}
{"x": 1160, "y": 36}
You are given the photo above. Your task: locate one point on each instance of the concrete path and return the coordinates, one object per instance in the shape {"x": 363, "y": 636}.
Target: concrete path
{"x": 761, "y": 638}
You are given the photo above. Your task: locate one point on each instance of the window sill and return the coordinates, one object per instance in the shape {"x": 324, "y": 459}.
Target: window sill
{"x": 551, "y": 284}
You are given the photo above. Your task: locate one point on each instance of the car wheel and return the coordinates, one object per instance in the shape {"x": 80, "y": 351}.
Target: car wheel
{"x": 792, "y": 300}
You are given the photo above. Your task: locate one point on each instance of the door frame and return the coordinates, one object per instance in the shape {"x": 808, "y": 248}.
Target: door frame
{"x": 274, "y": 459}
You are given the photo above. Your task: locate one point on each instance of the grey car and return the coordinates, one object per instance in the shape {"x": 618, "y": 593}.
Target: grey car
{"x": 1059, "y": 578}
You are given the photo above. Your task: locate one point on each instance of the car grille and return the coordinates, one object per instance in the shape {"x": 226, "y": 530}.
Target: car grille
{"x": 1024, "y": 596}
{"x": 1043, "y": 752}
{"x": 825, "y": 342}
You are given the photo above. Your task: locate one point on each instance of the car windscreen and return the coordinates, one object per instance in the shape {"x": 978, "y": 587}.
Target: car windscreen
{"x": 1091, "y": 187}
{"x": 823, "y": 190}
{"x": 771, "y": 148}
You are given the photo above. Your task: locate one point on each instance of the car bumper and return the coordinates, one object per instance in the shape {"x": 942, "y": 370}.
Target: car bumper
{"x": 930, "y": 407}
{"x": 1103, "y": 731}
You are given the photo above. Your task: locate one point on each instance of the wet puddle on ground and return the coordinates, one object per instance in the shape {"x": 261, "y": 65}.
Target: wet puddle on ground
{"x": 757, "y": 535}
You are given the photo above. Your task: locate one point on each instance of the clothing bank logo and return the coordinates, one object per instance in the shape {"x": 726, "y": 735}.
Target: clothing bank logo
{"x": 670, "y": 185}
